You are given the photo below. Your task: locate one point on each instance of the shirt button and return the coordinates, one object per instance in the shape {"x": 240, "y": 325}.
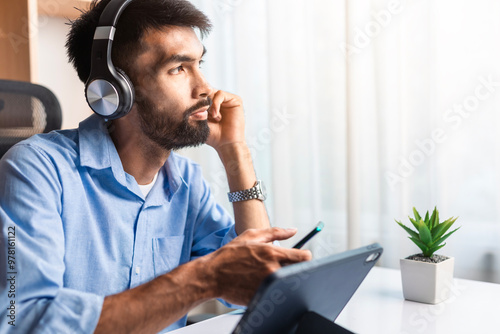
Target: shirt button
{"x": 137, "y": 270}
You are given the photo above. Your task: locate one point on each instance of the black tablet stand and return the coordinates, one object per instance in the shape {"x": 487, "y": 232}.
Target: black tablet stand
{"x": 313, "y": 323}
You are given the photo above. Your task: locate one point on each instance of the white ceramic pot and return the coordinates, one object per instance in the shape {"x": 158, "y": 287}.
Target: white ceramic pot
{"x": 427, "y": 282}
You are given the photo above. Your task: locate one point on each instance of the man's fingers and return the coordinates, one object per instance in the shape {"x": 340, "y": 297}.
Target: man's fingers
{"x": 268, "y": 234}
{"x": 220, "y": 98}
{"x": 217, "y": 100}
{"x": 291, "y": 255}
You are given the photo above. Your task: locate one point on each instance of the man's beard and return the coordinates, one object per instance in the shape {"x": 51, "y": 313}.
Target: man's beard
{"x": 161, "y": 127}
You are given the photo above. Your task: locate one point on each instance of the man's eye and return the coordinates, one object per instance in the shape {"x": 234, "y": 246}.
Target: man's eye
{"x": 177, "y": 70}
{"x": 200, "y": 65}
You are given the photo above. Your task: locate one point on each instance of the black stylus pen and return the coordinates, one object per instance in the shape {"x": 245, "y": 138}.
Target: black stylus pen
{"x": 311, "y": 234}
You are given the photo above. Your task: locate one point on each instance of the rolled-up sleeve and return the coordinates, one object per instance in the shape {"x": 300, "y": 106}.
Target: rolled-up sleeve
{"x": 30, "y": 209}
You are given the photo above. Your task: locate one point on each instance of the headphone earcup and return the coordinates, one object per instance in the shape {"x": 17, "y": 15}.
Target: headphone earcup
{"x": 110, "y": 96}
{"x": 128, "y": 93}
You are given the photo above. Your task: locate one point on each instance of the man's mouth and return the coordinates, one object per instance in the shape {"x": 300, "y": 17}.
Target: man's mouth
{"x": 200, "y": 114}
{"x": 200, "y": 110}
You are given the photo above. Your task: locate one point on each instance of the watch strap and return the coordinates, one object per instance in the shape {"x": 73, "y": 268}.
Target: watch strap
{"x": 244, "y": 195}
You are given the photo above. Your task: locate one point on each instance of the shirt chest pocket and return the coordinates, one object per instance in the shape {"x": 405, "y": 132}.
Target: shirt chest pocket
{"x": 167, "y": 252}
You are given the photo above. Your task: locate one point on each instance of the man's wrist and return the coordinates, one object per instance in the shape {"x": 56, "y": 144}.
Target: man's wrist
{"x": 237, "y": 161}
{"x": 236, "y": 151}
{"x": 197, "y": 278}
{"x": 206, "y": 270}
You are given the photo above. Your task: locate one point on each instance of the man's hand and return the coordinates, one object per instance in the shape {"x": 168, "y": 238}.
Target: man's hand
{"x": 239, "y": 267}
{"x": 226, "y": 120}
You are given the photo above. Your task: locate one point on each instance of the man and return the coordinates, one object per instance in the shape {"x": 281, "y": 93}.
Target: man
{"x": 115, "y": 233}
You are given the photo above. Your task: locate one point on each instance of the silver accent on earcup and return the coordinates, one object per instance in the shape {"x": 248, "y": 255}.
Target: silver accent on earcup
{"x": 102, "y": 97}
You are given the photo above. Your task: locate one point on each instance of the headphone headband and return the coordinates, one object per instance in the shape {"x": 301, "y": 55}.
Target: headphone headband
{"x": 112, "y": 12}
{"x": 108, "y": 90}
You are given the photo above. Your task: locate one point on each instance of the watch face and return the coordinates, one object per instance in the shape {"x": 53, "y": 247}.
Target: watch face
{"x": 263, "y": 190}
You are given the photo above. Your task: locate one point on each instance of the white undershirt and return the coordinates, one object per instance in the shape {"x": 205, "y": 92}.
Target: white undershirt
{"x": 146, "y": 188}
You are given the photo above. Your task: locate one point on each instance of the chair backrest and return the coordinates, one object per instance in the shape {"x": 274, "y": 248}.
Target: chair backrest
{"x": 25, "y": 110}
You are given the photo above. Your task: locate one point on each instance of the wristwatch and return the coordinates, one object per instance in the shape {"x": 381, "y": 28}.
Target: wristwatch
{"x": 258, "y": 191}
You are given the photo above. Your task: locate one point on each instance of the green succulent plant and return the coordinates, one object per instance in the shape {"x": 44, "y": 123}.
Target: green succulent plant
{"x": 430, "y": 233}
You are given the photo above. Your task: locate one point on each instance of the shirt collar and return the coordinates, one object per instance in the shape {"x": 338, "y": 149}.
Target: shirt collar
{"x": 169, "y": 179}
{"x": 95, "y": 143}
{"x": 174, "y": 176}
{"x": 97, "y": 150}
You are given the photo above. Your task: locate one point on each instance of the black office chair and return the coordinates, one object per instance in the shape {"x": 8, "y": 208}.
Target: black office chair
{"x": 25, "y": 110}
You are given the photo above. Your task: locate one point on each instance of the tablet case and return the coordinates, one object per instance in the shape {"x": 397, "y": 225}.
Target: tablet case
{"x": 303, "y": 293}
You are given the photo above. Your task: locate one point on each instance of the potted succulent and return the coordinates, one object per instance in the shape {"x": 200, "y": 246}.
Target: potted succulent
{"x": 426, "y": 276}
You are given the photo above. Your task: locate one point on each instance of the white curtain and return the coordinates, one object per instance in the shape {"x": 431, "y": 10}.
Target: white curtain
{"x": 359, "y": 110}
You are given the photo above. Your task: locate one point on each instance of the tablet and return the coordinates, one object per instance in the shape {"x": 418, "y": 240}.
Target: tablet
{"x": 322, "y": 286}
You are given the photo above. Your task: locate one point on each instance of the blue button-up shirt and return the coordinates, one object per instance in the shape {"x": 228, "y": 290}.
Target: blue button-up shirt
{"x": 80, "y": 228}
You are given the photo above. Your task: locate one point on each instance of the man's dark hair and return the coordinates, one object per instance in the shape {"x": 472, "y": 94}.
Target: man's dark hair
{"x": 139, "y": 17}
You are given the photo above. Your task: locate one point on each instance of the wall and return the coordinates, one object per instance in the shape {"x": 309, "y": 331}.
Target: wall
{"x": 57, "y": 74}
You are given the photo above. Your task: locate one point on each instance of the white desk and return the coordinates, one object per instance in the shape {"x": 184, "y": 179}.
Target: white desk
{"x": 378, "y": 307}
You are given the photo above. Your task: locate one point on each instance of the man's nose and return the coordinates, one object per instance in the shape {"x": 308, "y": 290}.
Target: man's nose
{"x": 201, "y": 88}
